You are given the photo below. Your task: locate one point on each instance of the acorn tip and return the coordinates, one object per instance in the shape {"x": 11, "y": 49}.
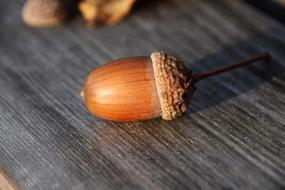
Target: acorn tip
{"x": 82, "y": 94}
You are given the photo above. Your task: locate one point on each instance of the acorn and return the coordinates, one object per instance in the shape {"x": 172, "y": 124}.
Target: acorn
{"x": 44, "y": 13}
{"x": 143, "y": 88}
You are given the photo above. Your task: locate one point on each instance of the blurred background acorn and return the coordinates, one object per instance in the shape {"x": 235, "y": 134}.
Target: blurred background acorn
{"x": 108, "y": 12}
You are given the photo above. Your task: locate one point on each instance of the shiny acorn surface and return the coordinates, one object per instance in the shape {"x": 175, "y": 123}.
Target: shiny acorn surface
{"x": 123, "y": 90}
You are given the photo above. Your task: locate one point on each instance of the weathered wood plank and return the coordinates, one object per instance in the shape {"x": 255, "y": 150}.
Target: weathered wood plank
{"x": 231, "y": 138}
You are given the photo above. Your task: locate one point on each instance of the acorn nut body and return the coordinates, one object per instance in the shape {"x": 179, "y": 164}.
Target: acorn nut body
{"x": 139, "y": 88}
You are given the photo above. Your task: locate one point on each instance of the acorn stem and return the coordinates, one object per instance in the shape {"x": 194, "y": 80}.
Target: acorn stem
{"x": 265, "y": 56}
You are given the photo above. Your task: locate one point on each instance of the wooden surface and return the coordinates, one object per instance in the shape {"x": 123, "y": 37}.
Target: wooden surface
{"x": 273, "y": 8}
{"x": 233, "y": 136}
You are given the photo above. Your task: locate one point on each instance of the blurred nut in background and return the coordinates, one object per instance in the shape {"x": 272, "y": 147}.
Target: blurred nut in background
{"x": 44, "y": 13}
{"x": 108, "y": 12}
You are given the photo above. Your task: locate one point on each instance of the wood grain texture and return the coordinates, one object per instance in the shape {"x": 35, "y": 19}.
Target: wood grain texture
{"x": 231, "y": 138}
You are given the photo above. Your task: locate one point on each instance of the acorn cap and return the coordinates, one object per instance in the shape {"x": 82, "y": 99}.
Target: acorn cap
{"x": 174, "y": 84}
{"x": 43, "y": 13}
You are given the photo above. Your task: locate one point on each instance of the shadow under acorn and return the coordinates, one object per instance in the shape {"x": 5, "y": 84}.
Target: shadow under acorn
{"x": 216, "y": 90}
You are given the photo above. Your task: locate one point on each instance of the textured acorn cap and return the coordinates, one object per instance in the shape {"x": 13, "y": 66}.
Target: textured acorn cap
{"x": 174, "y": 84}
{"x": 43, "y": 13}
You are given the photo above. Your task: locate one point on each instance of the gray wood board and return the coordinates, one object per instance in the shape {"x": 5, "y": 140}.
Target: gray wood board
{"x": 232, "y": 137}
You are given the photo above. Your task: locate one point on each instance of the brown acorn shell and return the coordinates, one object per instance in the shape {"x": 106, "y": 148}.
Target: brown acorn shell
{"x": 123, "y": 90}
